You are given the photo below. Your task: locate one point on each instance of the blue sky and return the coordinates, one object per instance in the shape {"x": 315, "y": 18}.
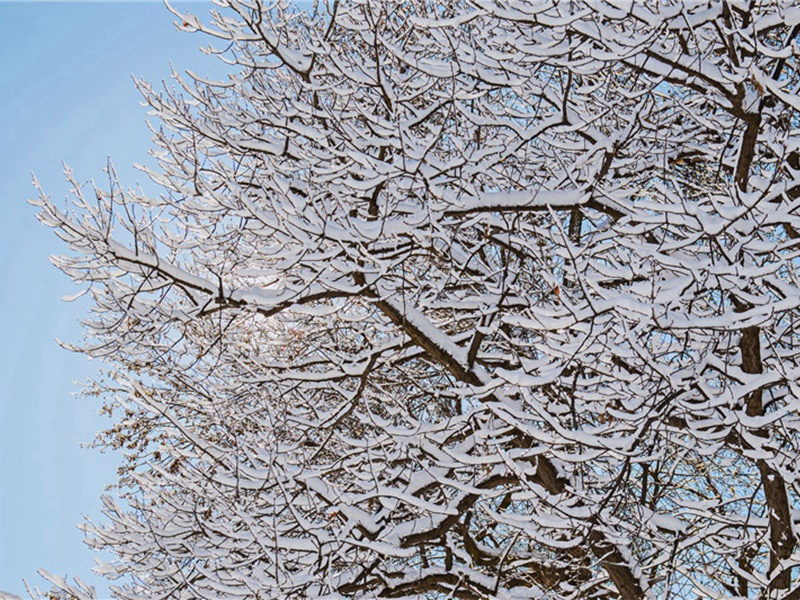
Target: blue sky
{"x": 67, "y": 95}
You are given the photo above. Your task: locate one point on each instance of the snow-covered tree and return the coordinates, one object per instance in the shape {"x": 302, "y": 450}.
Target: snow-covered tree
{"x": 474, "y": 299}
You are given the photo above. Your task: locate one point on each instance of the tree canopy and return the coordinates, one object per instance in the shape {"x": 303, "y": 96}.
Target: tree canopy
{"x": 474, "y": 299}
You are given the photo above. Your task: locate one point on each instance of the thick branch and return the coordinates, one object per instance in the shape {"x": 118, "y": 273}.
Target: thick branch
{"x": 453, "y": 358}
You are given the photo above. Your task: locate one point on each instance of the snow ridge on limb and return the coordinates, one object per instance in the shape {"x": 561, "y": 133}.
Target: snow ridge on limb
{"x": 480, "y": 300}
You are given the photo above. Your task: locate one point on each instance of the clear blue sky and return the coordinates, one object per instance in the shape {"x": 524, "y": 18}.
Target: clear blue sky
{"x": 67, "y": 95}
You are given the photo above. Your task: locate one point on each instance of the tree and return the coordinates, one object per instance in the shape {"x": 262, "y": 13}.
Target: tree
{"x": 469, "y": 299}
